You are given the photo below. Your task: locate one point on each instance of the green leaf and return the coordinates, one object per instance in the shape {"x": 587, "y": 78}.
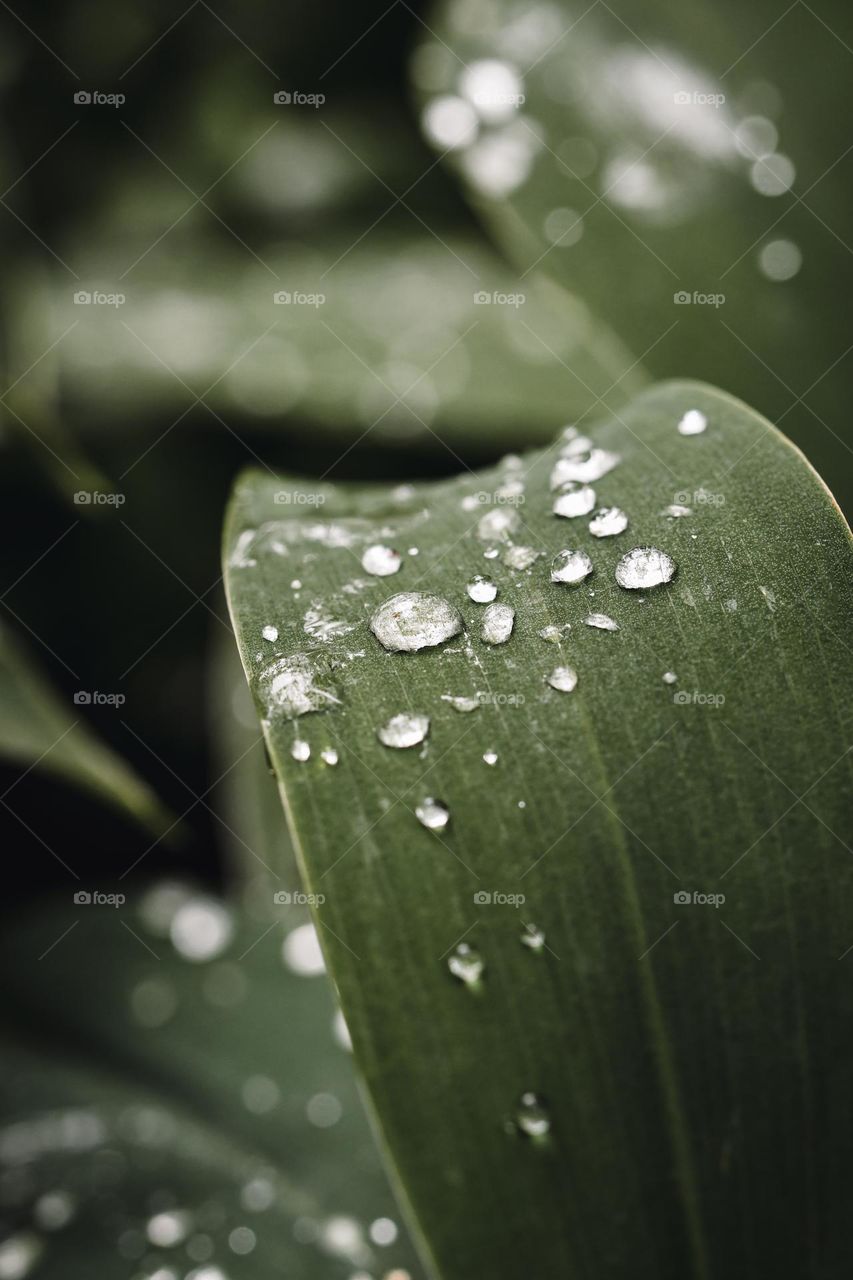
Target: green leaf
{"x": 38, "y": 731}
{"x": 176, "y": 1090}
{"x": 633, "y": 173}
{"x": 687, "y": 1055}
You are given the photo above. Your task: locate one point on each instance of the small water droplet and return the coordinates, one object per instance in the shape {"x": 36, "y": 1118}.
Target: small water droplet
{"x": 289, "y": 686}
{"x": 676, "y": 510}
{"x": 165, "y": 1230}
{"x": 669, "y": 677}
{"x": 383, "y": 1231}
{"x": 414, "y": 620}
{"x": 574, "y": 500}
{"x": 466, "y": 964}
{"x": 574, "y": 445}
{"x": 570, "y": 567}
{"x": 460, "y": 702}
{"x": 403, "y": 730}
{"x": 584, "y": 467}
{"x": 644, "y": 567}
{"x": 296, "y": 585}
{"x": 563, "y": 679}
{"x": 381, "y": 561}
{"x": 602, "y": 621}
{"x": 498, "y": 621}
{"x": 329, "y": 756}
{"x": 554, "y": 634}
{"x": 481, "y": 590}
{"x": 301, "y": 750}
{"x": 607, "y": 522}
{"x": 433, "y": 814}
{"x": 490, "y": 757}
{"x": 201, "y": 928}
{"x": 270, "y": 633}
{"x": 301, "y": 952}
{"x": 532, "y": 1116}
{"x": 491, "y": 553}
{"x": 520, "y": 558}
{"x": 497, "y": 525}
{"x": 533, "y": 937}
{"x": 693, "y": 423}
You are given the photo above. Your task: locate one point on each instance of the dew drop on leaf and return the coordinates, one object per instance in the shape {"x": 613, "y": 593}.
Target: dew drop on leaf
{"x": 574, "y": 500}
{"x": 607, "y": 522}
{"x": 466, "y": 964}
{"x": 301, "y": 750}
{"x": 644, "y": 567}
{"x": 433, "y": 814}
{"x": 414, "y": 620}
{"x": 669, "y": 677}
{"x": 301, "y": 952}
{"x": 403, "y": 730}
{"x": 602, "y": 621}
{"x": 563, "y": 679}
{"x": 498, "y": 621}
{"x": 481, "y": 590}
{"x": 329, "y": 756}
{"x": 676, "y": 510}
{"x": 270, "y": 633}
{"x": 532, "y": 1116}
{"x": 381, "y": 561}
{"x": 570, "y": 567}
{"x": 460, "y": 702}
{"x": 490, "y": 757}
{"x": 520, "y": 558}
{"x": 533, "y": 937}
{"x": 693, "y": 423}
{"x": 289, "y": 686}
{"x": 583, "y": 467}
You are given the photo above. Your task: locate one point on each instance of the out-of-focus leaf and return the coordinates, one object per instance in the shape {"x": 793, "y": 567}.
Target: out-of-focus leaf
{"x": 676, "y": 167}
{"x": 645, "y": 1079}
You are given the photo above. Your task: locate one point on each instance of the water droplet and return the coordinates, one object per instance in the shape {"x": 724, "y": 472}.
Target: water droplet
{"x": 563, "y": 679}
{"x": 574, "y": 500}
{"x": 241, "y": 1241}
{"x": 296, "y": 585}
{"x": 18, "y": 1255}
{"x": 669, "y": 677}
{"x": 329, "y": 756}
{"x": 533, "y": 937}
{"x": 490, "y": 757}
{"x": 165, "y": 1230}
{"x": 575, "y": 444}
{"x": 289, "y": 686}
{"x": 432, "y": 814}
{"x": 730, "y": 606}
{"x": 570, "y": 567}
{"x": 323, "y": 1110}
{"x": 54, "y": 1210}
{"x": 481, "y": 590}
{"x": 494, "y": 89}
{"x": 466, "y": 964}
{"x": 491, "y": 553}
{"x": 773, "y": 175}
{"x": 532, "y": 1116}
{"x": 413, "y": 620}
{"x": 497, "y": 525}
{"x": 201, "y": 929}
{"x": 301, "y": 952}
{"x": 780, "y": 260}
{"x": 301, "y": 750}
{"x": 644, "y": 567}
{"x": 450, "y": 122}
{"x": 676, "y": 511}
{"x": 460, "y": 702}
{"x": 584, "y": 467}
{"x": 607, "y": 522}
{"x": 403, "y": 730}
{"x": 520, "y": 557}
{"x": 383, "y": 1231}
{"x": 498, "y": 621}
{"x": 693, "y": 423}
{"x": 381, "y": 561}
{"x": 554, "y": 634}
{"x": 270, "y": 633}
{"x": 601, "y": 621}
{"x": 260, "y": 1095}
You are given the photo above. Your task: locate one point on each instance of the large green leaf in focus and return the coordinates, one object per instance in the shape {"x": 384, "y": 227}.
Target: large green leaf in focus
{"x": 658, "y": 1087}
{"x": 201, "y": 1112}
{"x": 38, "y": 731}
{"x": 667, "y": 151}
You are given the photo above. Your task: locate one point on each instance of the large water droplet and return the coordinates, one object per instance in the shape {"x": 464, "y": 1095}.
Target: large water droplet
{"x": 481, "y": 590}
{"x": 498, "y": 622}
{"x": 404, "y": 730}
{"x": 583, "y": 467}
{"x": 693, "y": 423}
{"x": 414, "y": 620}
{"x": 301, "y": 750}
{"x": 602, "y": 621}
{"x": 433, "y": 814}
{"x": 563, "y": 679}
{"x": 574, "y": 500}
{"x": 466, "y": 964}
{"x": 644, "y": 567}
{"x": 532, "y": 1116}
{"x": 570, "y": 567}
{"x": 607, "y": 522}
{"x": 381, "y": 561}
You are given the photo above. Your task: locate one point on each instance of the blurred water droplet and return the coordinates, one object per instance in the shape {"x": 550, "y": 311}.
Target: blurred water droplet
{"x": 289, "y": 686}
{"x": 383, "y": 1231}
{"x": 602, "y": 621}
{"x": 490, "y": 757}
{"x": 554, "y": 634}
{"x": 669, "y": 677}
{"x": 404, "y": 730}
{"x": 583, "y": 467}
{"x": 459, "y": 702}
{"x": 433, "y": 814}
{"x": 18, "y": 1255}
{"x": 165, "y": 1230}
{"x": 201, "y": 929}
{"x": 301, "y": 951}
{"x": 520, "y": 558}
{"x": 466, "y": 964}
{"x": 676, "y": 511}
{"x": 563, "y": 679}
{"x": 532, "y": 1116}
{"x": 329, "y": 756}
{"x": 693, "y": 423}
{"x": 381, "y": 561}
{"x": 570, "y": 567}
{"x": 413, "y": 620}
{"x": 533, "y": 937}
{"x": 242, "y": 1241}
{"x": 323, "y": 1110}
{"x": 607, "y": 522}
{"x": 574, "y": 500}
{"x": 644, "y": 567}
{"x": 498, "y": 621}
{"x": 54, "y": 1210}
{"x": 497, "y": 525}
{"x": 481, "y": 590}
{"x": 301, "y": 750}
